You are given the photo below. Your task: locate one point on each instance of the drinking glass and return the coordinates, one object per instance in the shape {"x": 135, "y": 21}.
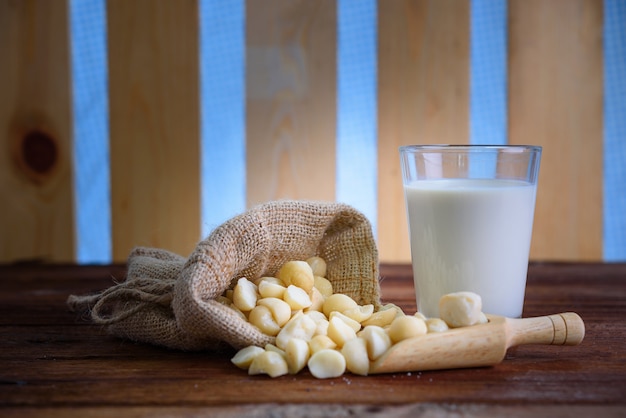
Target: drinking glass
{"x": 470, "y": 211}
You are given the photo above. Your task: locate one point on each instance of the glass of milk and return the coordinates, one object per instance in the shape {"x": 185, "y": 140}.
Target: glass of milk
{"x": 470, "y": 210}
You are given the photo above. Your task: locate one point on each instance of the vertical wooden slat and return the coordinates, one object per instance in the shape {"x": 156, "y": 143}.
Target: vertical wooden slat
{"x": 36, "y": 212}
{"x": 291, "y": 99}
{"x": 423, "y": 88}
{"x": 154, "y": 124}
{"x": 555, "y": 100}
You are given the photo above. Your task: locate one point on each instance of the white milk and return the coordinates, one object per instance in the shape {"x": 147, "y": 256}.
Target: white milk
{"x": 471, "y": 235}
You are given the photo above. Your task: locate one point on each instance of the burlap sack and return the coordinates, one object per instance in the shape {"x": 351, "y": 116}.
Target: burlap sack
{"x": 169, "y": 301}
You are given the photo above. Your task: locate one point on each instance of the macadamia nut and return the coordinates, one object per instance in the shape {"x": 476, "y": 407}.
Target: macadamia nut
{"x": 262, "y": 318}
{"x": 436, "y": 325}
{"x": 376, "y": 339}
{"x": 407, "y": 326}
{"x": 355, "y": 353}
{"x": 297, "y": 297}
{"x": 323, "y": 285}
{"x": 297, "y": 273}
{"x": 244, "y": 357}
{"x": 338, "y": 302}
{"x": 270, "y": 363}
{"x": 245, "y": 295}
{"x": 318, "y": 266}
{"x": 327, "y": 363}
{"x": 330, "y": 333}
{"x": 339, "y": 331}
{"x": 299, "y": 326}
{"x": 297, "y": 353}
{"x": 461, "y": 309}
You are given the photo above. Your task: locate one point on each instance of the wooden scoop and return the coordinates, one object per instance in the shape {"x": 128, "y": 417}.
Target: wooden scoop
{"x": 478, "y": 345}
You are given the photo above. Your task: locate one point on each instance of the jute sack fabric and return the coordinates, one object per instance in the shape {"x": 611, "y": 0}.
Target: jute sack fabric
{"x": 170, "y": 301}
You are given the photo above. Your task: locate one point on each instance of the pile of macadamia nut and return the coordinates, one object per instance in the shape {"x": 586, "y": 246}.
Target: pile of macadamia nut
{"x": 329, "y": 333}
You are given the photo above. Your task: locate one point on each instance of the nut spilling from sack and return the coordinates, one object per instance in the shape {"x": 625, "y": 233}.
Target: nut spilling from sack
{"x": 172, "y": 301}
{"x": 330, "y": 333}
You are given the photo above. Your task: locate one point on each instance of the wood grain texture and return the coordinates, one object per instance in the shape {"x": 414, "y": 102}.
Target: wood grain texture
{"x": 423, "y": 97}
{"x": 36, "y": 205}
{"x": 154, "y": 125}
{"x": 518, "y": 410}
{"x": 555, "y": 100}
{"x": 291, "y": 109}
{"x": 52, "y": 359}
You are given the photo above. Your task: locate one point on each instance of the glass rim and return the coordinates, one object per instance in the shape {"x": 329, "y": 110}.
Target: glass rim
{"x": 468, "y": 147}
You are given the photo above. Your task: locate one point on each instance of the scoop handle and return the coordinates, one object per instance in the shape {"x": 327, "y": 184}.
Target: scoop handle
{"x": 565, "y": 328}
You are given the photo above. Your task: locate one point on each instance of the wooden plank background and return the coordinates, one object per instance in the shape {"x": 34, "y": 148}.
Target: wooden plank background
{"x": 554, "y": 93}
{"x": 36, "y": 206}
{"x": 555, "y": 100}
{"x": 423, "y": 97}
{"x": 154, "y": 124}
{"x": 291, "y": 91}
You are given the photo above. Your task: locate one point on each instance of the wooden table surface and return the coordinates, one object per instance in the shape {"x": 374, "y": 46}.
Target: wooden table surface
{"x": 53, "y": 363}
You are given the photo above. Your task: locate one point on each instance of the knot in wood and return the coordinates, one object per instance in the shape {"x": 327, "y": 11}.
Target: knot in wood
{"x": 39, "y": 152}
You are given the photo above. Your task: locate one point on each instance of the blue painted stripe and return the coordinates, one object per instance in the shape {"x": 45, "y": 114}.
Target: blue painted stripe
{"x": 614, "y": 130}
{"x": 222, "y": 72}
{"x": 91, "y": 131}
{"x": 357, "y": 148}
{"x": 488, "y": 72}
